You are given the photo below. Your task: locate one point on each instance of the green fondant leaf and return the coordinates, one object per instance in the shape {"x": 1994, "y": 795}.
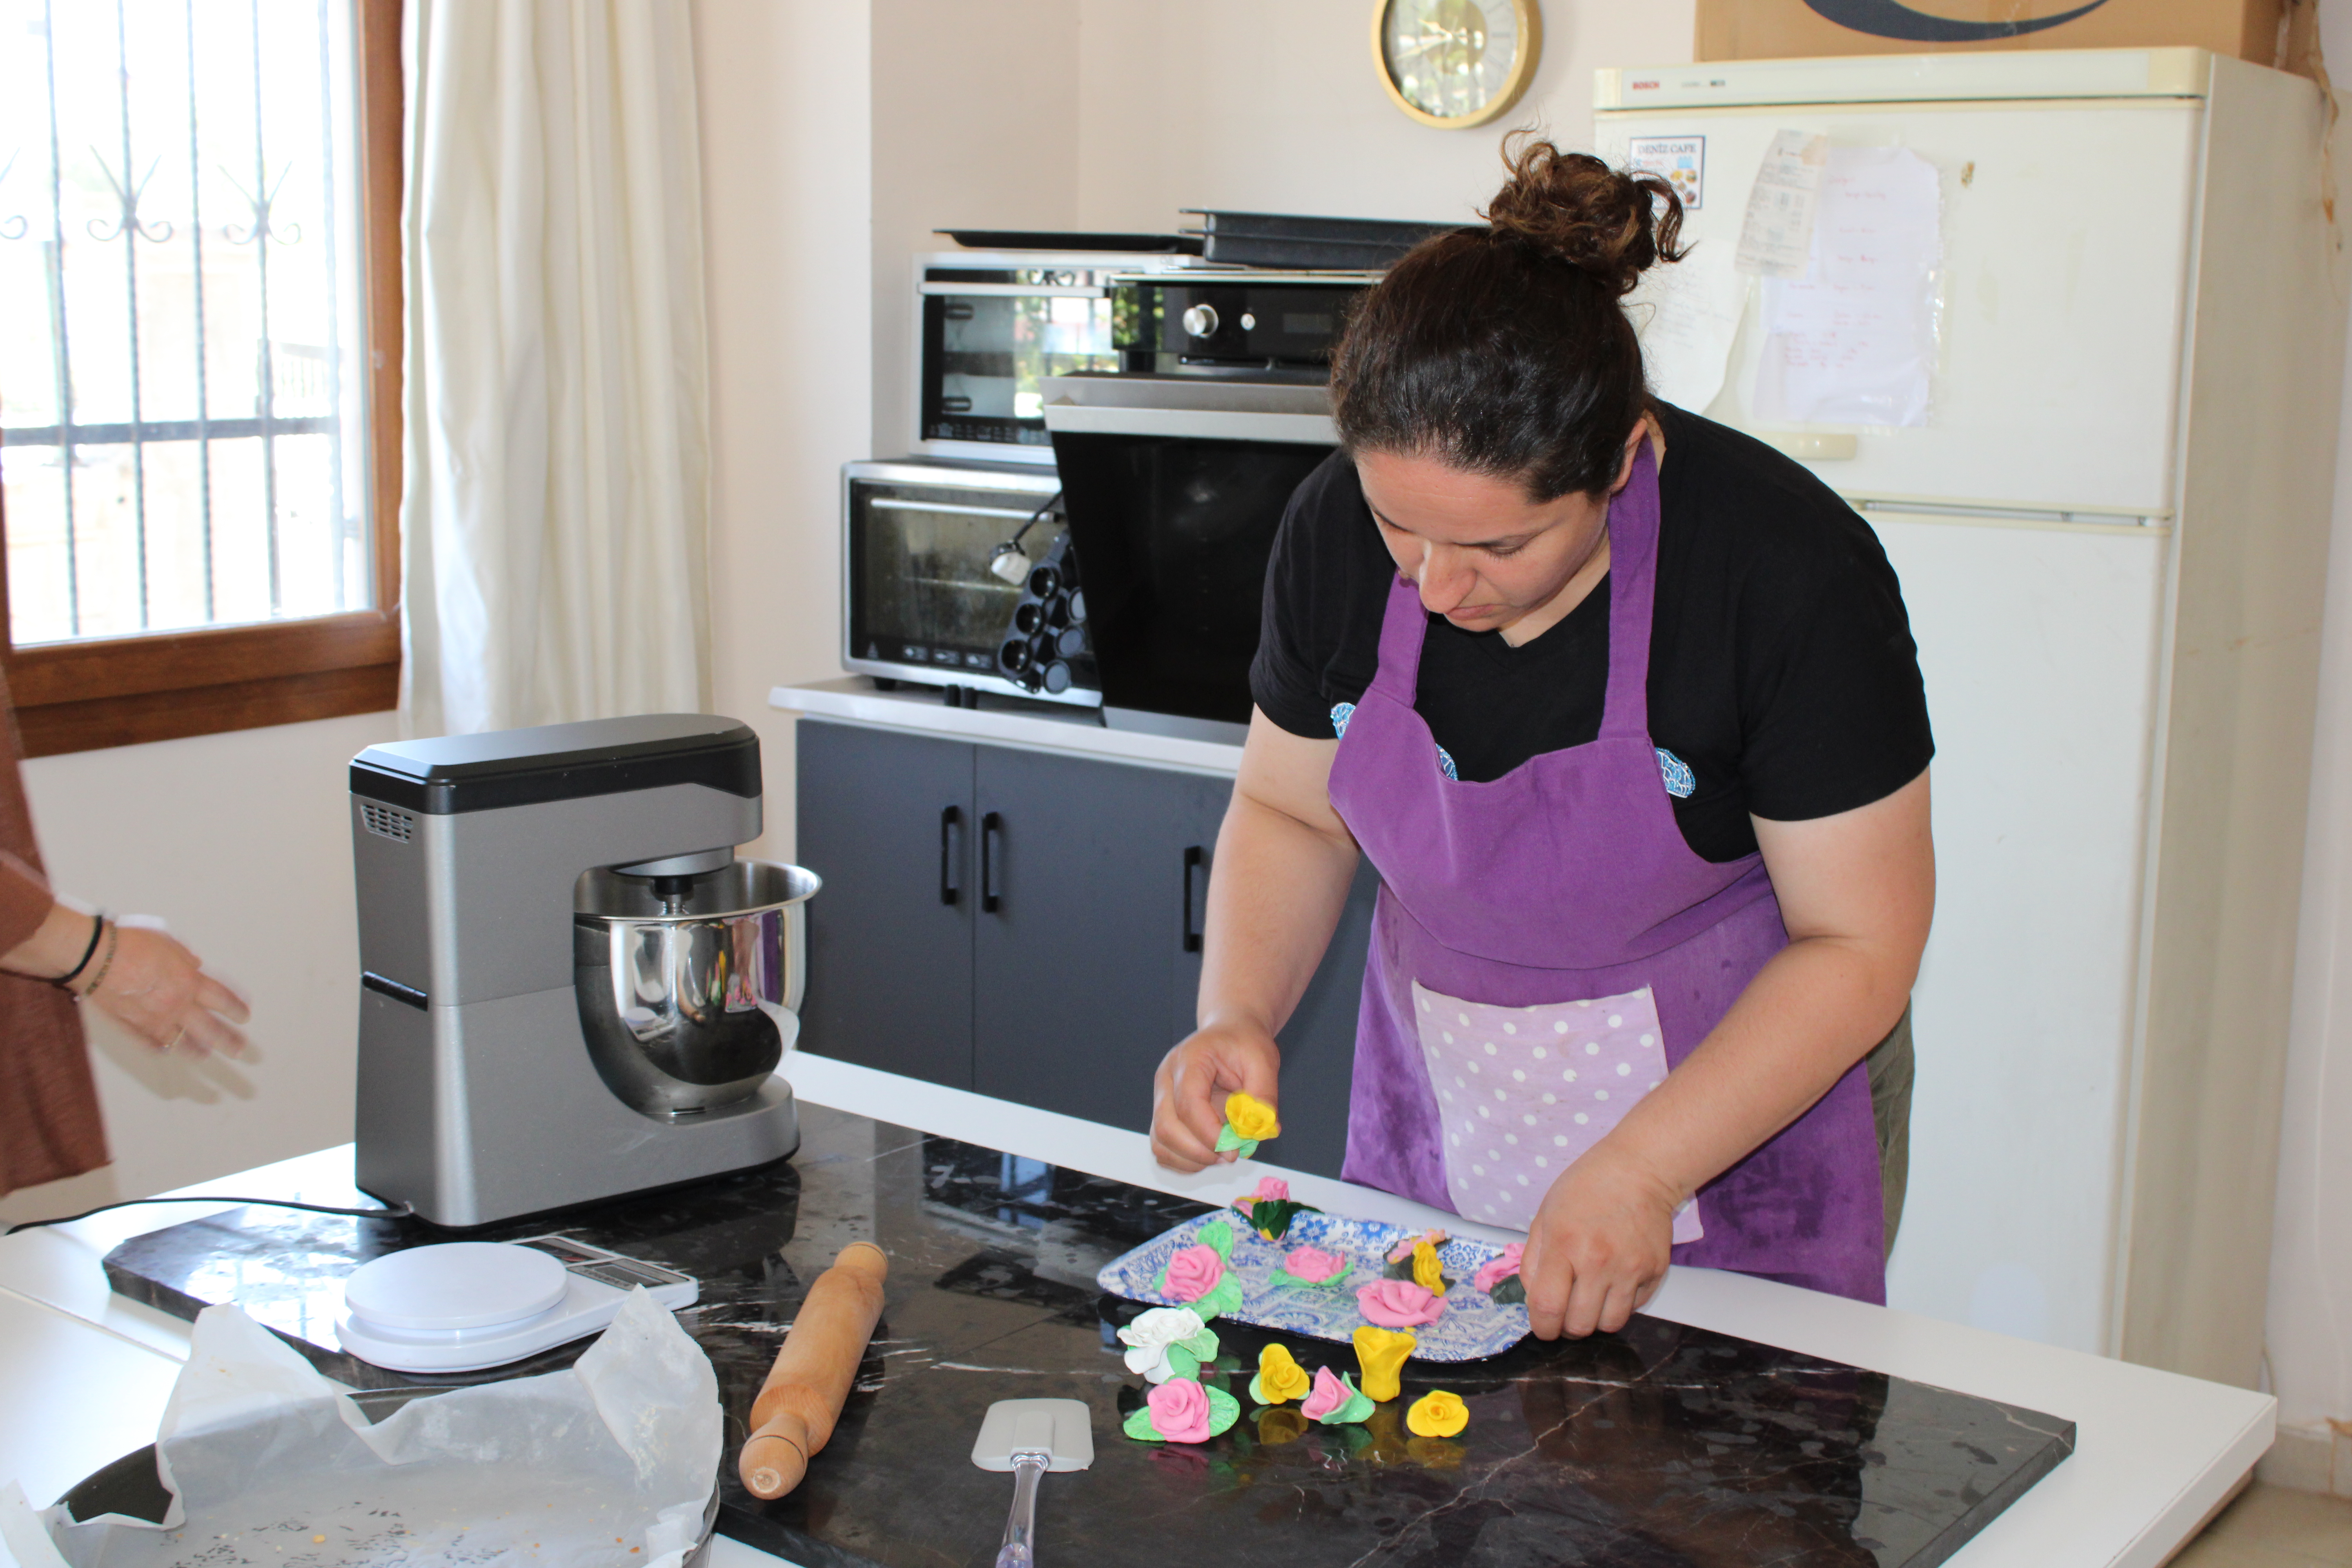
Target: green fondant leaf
{"x": 1257, "y": 1390}
{"x": 1223, "y": 1409}
{"x": 1182, "y": 1364}
{"x": 1227, "y": 1139}
{"x": 1356, "y": 1408}
{"x": 1400, "y": 1270}
{"x": 1203, "y": 1345}
{"x": 1272, "y": 1217}
{"x": 1248, "y": 1146}
{"x": 1159, "y": 1283}
{"x": 1218, "y": 1237}
{"x": 1511, "y": 1293}
{"x": 1138, "y": 1426}
{"x": 1226, "y": 1297}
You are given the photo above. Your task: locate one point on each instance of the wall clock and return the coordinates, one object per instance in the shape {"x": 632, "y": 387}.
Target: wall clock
{"x": 1455, "y": 63}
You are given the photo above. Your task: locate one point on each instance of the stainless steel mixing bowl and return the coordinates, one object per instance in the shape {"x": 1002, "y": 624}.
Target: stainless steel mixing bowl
{"x": 685, "y": 984}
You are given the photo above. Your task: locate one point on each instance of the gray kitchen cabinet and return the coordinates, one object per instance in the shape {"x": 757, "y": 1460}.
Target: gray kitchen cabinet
{"x": 886, "y": 819}
{"x": 1081, "y": 925}
{"x": 1028, "y": 925}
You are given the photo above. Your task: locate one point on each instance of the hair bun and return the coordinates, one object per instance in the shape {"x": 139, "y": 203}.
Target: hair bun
{"x": 1609, "y": 224}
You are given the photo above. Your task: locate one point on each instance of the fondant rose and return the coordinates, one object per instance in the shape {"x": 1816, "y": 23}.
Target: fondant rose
{"x": 1382, "y": 1353}
{"x": 1156, "y": 1332}
{"x": 1313, "y": 1264}
{"x": 1273, "y": 1188}
{"x": 1437, "y": 1414}
{"x": 1327, "y": 1394}
{"x": 1280, "y": 1379}
{"x": 1251, "y": 1118}
{"x": 1426, "y": 1271}
{"x": 1179, "y": 1411}
{"x": 1399, "y": 1304}
{"x": 1495, "y": 1272}
{"x": 1194, "y": 1272}
{"x": 1405, "y": 1248}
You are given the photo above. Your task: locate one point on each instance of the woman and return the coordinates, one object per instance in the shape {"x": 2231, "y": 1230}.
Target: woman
{"x": 1624, "y": 709}
{"x": 53, "y": 956}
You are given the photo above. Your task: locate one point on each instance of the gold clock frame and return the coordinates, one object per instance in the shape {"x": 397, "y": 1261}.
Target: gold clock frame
{"x": 1523, "y": 69}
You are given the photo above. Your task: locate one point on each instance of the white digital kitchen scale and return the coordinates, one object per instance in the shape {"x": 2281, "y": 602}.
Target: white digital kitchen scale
{"x": 462, "y": 1306}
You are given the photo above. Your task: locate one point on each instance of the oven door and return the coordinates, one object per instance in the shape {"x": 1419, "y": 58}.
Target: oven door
{"x": 921, "y": 602}
{"x": 988, "y": 338}
{"x": 1174, "y": 487}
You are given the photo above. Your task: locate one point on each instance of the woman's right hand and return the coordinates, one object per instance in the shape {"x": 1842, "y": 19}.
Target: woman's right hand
{"x": 1188, "y": 1092}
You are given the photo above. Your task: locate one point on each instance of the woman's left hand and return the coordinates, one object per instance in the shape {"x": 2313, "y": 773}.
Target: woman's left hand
{"x": 1600, "y": 1244}
{"x": 159, "y": 989}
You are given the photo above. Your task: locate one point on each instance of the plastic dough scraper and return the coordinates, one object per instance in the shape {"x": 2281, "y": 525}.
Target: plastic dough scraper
{"x": 1030, "y": 1437}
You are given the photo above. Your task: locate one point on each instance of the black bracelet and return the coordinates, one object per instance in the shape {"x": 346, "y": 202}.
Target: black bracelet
{"x": 97, "y": 929}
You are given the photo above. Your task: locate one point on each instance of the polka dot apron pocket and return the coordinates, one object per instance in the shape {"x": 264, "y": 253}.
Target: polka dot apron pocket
{"x": 1522, "y": 1091}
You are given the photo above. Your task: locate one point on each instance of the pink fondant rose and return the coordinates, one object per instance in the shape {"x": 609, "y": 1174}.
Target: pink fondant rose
{"x": 1327, "y": 1394}
{"x": 1399, "y": 1304}
{"x": 1179, "y": 1410}
{"x": 1194, "y": 1272}
{"x": 1313, "y": 1264}
{"x": 1271, "y": 1189}
{"x": 1493, "y": 1273}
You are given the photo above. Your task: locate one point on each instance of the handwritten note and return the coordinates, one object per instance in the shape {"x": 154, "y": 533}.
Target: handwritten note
{"x": 1851, "y": 340}
{"x": 1688, "y": 316}
{"x": 1776, "y": 231}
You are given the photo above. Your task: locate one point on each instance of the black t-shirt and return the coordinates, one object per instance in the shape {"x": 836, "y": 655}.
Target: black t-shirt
{"x": 1782, "y": 671}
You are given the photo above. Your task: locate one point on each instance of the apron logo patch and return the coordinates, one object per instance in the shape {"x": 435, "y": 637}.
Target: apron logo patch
{"x": 1341, "y": 713}
{"x": 1676, "y": 773}
{"x": 1445, "y": 761}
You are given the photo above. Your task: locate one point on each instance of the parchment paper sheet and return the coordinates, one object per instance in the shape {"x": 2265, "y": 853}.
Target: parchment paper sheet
{"x": 608, "y": 1464}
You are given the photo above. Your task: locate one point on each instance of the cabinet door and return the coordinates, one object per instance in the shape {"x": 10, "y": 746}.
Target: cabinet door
{"x": 1319, "y": 1043}
{"x": 1079, "y": 928}
{"x": 887, "y": 820}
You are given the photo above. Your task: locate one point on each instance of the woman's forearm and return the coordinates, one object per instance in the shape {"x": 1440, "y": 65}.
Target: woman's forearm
{"x": 1815, "y": 1009}
{"x": 1275, "y": 892}
{"x": 55, "y": 945}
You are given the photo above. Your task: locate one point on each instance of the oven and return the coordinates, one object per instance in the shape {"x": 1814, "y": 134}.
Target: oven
{"x": 992, "y": 327}
{"x": 1174, "y": 486}
{"x": 958, "y": 575}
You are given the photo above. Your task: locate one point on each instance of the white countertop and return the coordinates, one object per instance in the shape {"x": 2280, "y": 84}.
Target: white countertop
{"x": 1006, "y": 722}
{"x": 84, "y": 1374}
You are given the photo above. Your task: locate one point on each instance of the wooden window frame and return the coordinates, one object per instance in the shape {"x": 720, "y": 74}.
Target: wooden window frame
{"x": 120, "y": 692}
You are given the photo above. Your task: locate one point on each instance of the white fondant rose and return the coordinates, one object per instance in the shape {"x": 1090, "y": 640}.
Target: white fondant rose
{"x": 1151, "y": 1334}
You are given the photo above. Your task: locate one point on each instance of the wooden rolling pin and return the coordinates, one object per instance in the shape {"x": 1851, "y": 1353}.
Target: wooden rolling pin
{"x": 802, "y": 1399}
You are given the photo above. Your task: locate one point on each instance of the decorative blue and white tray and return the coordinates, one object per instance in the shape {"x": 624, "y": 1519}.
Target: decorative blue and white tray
{"x": 1474, "y": 1323}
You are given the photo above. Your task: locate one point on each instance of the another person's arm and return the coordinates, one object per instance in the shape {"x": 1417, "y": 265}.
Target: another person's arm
{"x": 137, "y": 975}
{"x": 1856, "y": 892}
{"x": 1283, "y": 865}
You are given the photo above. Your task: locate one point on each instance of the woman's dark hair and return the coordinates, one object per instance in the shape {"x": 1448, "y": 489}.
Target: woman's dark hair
{"x": 1503, "y": 350}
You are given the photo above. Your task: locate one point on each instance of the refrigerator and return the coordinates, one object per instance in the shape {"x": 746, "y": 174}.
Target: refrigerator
{"x": 2066, "y": 329}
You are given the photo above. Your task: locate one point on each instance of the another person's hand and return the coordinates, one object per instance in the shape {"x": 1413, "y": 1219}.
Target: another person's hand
{"x": 1600, "y": 1246}
{"x": 1188, "y": 1092}
{"x": 159, "y": 990}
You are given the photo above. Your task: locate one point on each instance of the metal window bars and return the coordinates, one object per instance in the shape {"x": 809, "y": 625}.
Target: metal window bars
{"x": 301, "y": 388}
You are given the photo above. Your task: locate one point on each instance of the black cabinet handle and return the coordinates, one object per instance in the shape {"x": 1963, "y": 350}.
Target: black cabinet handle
{"x": 951, "y": 854}
{"x": 1194, "y": 861}
{"x": 991, "y": 826}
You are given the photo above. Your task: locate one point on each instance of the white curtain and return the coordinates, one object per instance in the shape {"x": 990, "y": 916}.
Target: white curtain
{"x": 557, "y": 441}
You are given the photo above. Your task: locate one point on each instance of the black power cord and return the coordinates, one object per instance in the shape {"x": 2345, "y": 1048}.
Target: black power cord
{"x": 398, "y": 1211}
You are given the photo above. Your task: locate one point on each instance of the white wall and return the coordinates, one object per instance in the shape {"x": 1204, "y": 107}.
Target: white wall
{"x": 787, "y": 183}
{"x": 2310, "y": 1317}
{"x": 242, "y": 842}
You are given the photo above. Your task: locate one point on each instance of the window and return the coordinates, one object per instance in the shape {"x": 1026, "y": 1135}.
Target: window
{"x": 199, "y": 364}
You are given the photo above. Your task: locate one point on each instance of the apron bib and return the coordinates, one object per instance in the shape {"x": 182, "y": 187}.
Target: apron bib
{"x": 1562, "y": 917}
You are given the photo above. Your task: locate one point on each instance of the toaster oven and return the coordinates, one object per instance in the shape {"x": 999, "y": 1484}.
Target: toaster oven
{"x": 961, "y": 575}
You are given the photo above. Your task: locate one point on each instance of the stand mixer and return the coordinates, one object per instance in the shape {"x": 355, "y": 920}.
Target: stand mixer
{"x": 571, "y": 989}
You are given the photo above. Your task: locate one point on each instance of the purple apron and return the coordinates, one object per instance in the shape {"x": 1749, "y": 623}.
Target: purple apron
{"x": 1557, "y": 913}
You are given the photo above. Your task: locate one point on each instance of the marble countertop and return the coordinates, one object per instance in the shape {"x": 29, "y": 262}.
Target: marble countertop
{"x": 2155, "y": 1453}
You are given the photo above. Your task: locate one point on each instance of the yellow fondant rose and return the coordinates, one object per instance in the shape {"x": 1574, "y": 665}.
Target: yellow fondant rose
{"x": 1251, "y": 1118}
{"x": 1437, "y": 1414}
{"x": 1380, "y": 1354}
{"x": 1426, "y": 1271}
{"x": 1279, "y": 1379}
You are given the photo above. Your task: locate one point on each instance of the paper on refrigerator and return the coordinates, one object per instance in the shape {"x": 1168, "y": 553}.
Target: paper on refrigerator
{"x": 1688, "y": 315}
{"x": 1852, "y": 340}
